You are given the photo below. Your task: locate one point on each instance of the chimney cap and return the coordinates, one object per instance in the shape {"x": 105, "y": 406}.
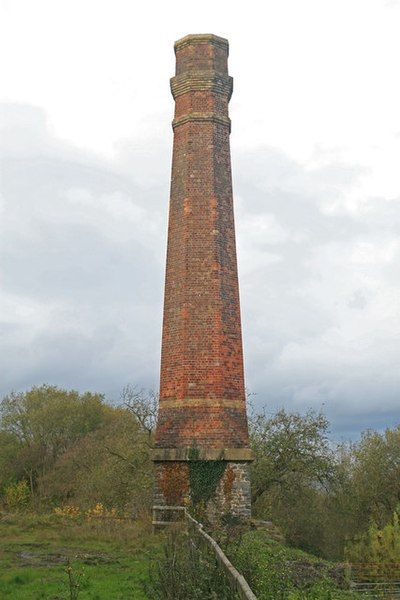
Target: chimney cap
{"x": 201, "y": 38}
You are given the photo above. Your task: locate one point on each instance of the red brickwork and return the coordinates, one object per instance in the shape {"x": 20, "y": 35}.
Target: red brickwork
{"x": 202, "y": 397}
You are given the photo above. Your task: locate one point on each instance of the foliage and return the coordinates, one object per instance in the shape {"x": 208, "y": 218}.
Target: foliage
{"x": 273, "y": 571}
{"x": 111, "y": 465}
{"x": 76, "y": 580}
{"x": 68, "y": 511}
{"x": 289, "y": 447}
{"x": 143, "y": 405}
{"x": 17, "y": 496}
{"x": 371, "y": 469}
{"x": 204, "y": 476}
{"x": 365, "y": 488}
{"x": 9, "y": 446}
{"x": 376, "y": 545}
{"x": 320, "y": 495}
{"x": 101, "y": 512}
{"x": 276, "y": 572}
{"x": 51, "y": 417}
{"x": 43, "y": 423}
{"x": 61, "y": 447}
{"x": 74, "y": 447}
{"x": 294, "y": 464}
{"x": 98, "y": 511}
{"x": 184, "y": 572}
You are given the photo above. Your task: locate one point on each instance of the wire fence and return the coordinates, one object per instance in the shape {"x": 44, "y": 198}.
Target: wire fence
{"x": 376, "y": 580}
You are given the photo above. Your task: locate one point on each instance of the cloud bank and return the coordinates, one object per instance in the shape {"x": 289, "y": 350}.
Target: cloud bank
{"x": 82, "y": 267}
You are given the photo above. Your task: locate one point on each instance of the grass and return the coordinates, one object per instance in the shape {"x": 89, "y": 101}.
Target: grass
{"x": 108, "y": 559}
{"x": 277, "y": 572}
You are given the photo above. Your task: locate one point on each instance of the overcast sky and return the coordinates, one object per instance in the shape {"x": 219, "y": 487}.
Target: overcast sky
{"x": 86, "y": 151}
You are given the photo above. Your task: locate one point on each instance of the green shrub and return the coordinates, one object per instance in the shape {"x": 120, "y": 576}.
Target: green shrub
{"x": 186, "y": 573}
{"x": 17, "y": 496}
{"x": 276, "y": 572}
{"x": 377, "y": 545}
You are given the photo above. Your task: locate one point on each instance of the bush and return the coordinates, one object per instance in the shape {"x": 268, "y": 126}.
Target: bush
{"x": 276, "y": 572}
{"x": 186, "y": 573}
{"x": 17, "y": 496}
{"x": 377, "y": 546}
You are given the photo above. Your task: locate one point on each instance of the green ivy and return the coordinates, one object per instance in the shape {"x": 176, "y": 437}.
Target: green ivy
{"x": 204, "y": 476}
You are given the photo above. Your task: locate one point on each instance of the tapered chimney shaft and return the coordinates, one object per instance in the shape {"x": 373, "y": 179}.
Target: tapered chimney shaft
{"x": 202, "y": 410}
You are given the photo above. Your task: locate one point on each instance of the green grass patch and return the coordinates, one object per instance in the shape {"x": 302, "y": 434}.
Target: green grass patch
{"x": 108, "y": 560}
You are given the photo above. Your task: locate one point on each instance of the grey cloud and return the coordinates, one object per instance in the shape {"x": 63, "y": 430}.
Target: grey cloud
{"x": 304, "y": 345}
{"x": 357, "y": 300}
{"x": 82, "y": 267}
{"x": 82, "y": 264}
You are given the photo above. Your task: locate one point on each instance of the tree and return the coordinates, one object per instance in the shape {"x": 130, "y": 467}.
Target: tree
{"x": 375, "y": 474}
{"x": 289, "y": 447}
{"x": 43, "y": 423}
{"x": 143, "y": 405}
{"x": 72, "y": 447}
{"x": 365, "y": 488}
{"x": 8, "y": 448}
{"x": 293, "y": 466}
{"x": 377, "y": 545}
{"x": 111, "y": 465}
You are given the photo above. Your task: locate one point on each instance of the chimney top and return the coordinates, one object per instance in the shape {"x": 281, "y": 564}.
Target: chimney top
{"x": 201, "y": 38}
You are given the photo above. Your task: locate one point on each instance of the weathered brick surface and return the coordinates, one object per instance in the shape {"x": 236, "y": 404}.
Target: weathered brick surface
{"x": 202, "y": 396}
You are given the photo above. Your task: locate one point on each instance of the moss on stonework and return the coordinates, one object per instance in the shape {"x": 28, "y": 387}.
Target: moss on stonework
{"x": 204, "y": 476}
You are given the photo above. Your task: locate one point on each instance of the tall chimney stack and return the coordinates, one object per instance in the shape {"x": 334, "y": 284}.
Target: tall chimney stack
{"x": 202, "y": 435}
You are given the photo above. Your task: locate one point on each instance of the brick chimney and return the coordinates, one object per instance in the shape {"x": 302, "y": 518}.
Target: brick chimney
{"x": 202, "y": 424}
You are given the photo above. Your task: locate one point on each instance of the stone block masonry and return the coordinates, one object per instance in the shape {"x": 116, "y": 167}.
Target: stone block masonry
{"x": 202, "y": 411}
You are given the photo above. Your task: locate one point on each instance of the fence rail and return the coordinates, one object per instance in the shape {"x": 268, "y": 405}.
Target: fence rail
{"x": 168, "y": 515}
{"x": 376, "y": 591}
{"x": 376, "y": 580}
